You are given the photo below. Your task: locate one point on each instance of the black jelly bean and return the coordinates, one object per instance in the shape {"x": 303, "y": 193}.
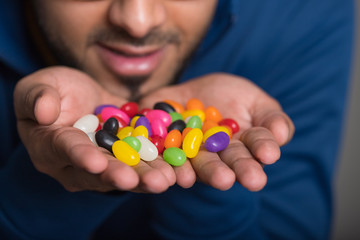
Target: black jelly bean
{"x": 105, "y": 139}
{"x": 178, "y": 124}
{"x": 111, "y": 125}
{"x": 164, "y": 106}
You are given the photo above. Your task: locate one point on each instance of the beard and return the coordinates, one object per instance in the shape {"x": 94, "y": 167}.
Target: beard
{"x": 63, "y": 52}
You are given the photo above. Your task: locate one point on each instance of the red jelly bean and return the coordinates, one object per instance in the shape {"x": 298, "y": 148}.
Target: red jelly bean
{"x": 158, "y": 142}
{"x": 121, "y": 122}
{"x": 130, "y": 108}
{"x": 231, "y": 123}
{"x": 145, "y": 111}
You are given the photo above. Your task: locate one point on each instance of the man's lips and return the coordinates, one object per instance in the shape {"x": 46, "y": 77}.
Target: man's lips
{"x": 130, "y": 61}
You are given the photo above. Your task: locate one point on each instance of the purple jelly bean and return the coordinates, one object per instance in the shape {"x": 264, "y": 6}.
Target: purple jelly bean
{"x": 101, "y": 107}
{"x": 217, "y": 142}
{"x": 144, "y": 122}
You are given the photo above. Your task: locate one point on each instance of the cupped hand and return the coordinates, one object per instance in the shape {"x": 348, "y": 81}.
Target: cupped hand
{"x": 264, "y": 128}
{"x": 47, "y": 103}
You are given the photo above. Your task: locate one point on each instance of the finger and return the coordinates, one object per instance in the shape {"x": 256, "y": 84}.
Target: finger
{"x": 185, "y": 175}
{"x": 165, "y": 168}
{"x": 151, "y": 179}
{"x": 248, "y": 171}
{"x": 120, "y": 175}
{"x": 212, "y": 171}
{"x": 279, "y": 124}
{"x": 262, "y": 144}
{"x": 38, "y": 102}
{"x": 73, "y": 147}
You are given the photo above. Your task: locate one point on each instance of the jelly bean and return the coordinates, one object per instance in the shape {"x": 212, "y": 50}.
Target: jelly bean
{"x": 130, "y": 108}
{"x": 87, "y": 123}
{"x": 185, "y": 132}
{"x": 158, "y": 142}
{"x": 126, "y": 154}
{"x": 177, "y": 106}
{"x": 173, "y": 139}
{"x": 111, "y": 125}
{"x": 121, "y": 122}
{"x": 217, "y": 142}
{"x": 99, "y": 127}
{"x": 175, "y": 116}
{"x": 133, "y": 121}
{"x": 194, "y": 112}
{"x": 99, "y": 117}
{"x": 148, "y": 151}
{"x": 194, "y": 122}
{"x": 108, "y": 112}
{"x": 105, "y": 139}
{"x": 91, "y": 135}
{"x": 143, "y": 121}
{"x": 125, "y": 132}
{"x": 178, "y": 124}
{"x": 174, "y": 156}
{"x": 159, "y": 114}
{"x": 140, "y": 131}
{"x": 214, "y": 130}
{"x": 98, "y": 109}
{"x": 158, "y": 128}
{"x": 207, "y": 125}
{"x": 230, "y": 130}
{"x": 164, "y": 106}
{"x": 231, "y": 123}
{"x": 194, "y": 104}
{"x": 133, "y": 142}
{"x": 192, "y": 142}
{"x": 212, "y": 113}
{"x": 144, "y": 111}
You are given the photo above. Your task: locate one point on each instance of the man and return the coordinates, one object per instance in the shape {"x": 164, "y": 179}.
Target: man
{"x": 133, "y": 49}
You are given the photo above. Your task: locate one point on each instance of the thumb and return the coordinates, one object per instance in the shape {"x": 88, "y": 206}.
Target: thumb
{"x": 36, "y": 101}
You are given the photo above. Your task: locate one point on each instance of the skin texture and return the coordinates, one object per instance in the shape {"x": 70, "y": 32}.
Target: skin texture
{"x": 49, "y": 101}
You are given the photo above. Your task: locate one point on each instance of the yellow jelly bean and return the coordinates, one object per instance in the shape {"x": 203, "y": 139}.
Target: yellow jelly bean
{"x": 140, "y": 131}
{"x": 123, "y": 152}
{"x": 133, "y": 121}
{"x": 192, "y": 142}
{"x": 194, "y": 112}
{"x": 214, "y": 130}
{"x": 125, "y": 132}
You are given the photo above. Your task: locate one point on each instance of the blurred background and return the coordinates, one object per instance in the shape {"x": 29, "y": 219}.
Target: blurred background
{"x": 347, "y": 183}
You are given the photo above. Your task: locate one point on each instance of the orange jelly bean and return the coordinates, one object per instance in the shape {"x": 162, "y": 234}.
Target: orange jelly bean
{"x": 184, "y": 132}
{"x": 194, "y": 104}
{"x": 173, "y": 139}
{"x": 207, "y": 125}
{"x": 177, "y": 106}
{"x": 211, "y": 113}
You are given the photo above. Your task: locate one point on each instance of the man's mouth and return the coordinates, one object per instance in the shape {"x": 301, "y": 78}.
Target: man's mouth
{"x": 127, "y": 60}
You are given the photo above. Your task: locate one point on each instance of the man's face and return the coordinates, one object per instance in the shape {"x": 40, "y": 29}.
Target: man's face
{"x": 130, "y": 46}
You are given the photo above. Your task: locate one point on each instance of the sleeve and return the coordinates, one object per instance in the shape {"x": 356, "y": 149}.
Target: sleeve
{"x": 300, "y": 53}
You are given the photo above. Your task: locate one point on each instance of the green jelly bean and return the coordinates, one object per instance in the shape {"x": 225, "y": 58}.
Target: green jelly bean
{"x": 174, "y": 156}
{"x": 175, "y": 116}
{"x": 133, "y": 142}
{"x": 194, "y": 122}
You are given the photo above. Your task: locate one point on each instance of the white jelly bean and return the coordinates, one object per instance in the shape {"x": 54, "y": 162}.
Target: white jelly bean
{"x": 88, "y": 123}
{"x": 148, "y": 151}
{"x": 92, "y": 138}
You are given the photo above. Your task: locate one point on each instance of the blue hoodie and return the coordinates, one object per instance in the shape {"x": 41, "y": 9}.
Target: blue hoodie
{"x": 298, "y": 51}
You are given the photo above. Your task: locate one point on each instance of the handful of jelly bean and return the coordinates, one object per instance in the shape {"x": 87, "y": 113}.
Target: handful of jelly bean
{"x": 170, "y": 129}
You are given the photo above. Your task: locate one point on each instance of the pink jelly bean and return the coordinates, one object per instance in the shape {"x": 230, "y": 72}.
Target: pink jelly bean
{"x": 108, "y": 112}
{"x": 158, "y": 128}
{"x": 159, "y": 114}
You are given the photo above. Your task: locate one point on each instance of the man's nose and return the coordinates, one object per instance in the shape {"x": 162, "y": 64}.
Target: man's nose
{"x": 137, "y": 17}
